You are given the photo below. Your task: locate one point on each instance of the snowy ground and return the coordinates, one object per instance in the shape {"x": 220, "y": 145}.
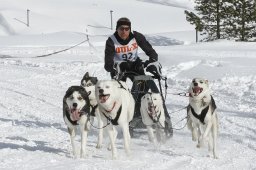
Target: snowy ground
{"x": 34, "y": 136}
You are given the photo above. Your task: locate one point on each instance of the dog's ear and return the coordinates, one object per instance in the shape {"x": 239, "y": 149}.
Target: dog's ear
{"x": 86, "y": 75}
{"x": 94, "y": 80}
{"x": 206, "y": 82}
{"x": 69, "y": 92}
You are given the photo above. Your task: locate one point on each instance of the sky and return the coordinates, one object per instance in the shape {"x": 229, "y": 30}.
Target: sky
{"x": 33, "y": 134}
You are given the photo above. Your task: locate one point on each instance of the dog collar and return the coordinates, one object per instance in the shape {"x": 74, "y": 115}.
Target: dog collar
{"x": 111, "y": 108}
{"x": 92, "y": 113}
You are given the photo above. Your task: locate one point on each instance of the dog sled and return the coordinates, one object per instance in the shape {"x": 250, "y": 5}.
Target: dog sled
{"x": 142, "y": 84}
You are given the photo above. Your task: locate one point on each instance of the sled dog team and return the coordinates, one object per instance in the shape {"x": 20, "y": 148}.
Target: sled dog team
{"x": 112, "y": 103}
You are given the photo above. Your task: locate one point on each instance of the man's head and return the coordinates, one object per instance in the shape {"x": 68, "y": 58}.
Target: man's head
{"x": 123, "y": 27}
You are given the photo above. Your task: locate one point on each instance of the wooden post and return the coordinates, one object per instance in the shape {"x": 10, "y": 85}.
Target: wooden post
{"x": 28, "y": 17}
{"x": 196, "y": 36}
{"x": 111, "y": 19}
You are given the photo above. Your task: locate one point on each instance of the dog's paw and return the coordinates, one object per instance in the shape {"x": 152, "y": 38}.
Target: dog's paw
{"x": 109, "y": 147}
{"x": 99, "y": 146}
{"x": 83, "y": 155}
{"x": 215, "y": 157}
{"x": 202, "y": 141}
{"x": 75, "y": 155}
{"x": 193, "y": 138}
{"x": 114, "y": 157}
{"x": 151, "y": 139}
{"x": 128, "y": 153}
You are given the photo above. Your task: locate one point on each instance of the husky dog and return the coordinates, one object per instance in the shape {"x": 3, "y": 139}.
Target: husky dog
{"x": 152, "y": 113}
{"x": 89, "y": 83}
{"x": 116, "y": 106}
{"x": 76, "y": 107}
{"x": 202, "y": 116}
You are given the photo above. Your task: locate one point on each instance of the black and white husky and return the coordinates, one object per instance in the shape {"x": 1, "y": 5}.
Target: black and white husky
{"x": 76, "y": 107}
{"x": 89, "y": 83}
{"x": 202, "y": 116}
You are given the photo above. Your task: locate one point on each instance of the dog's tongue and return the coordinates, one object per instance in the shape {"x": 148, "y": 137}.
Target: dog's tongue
{"x": 103, "y": 98}
{"x": 197, "y": 89}
{"x": 75, "y": 115}
{"x": 151, "y": 109}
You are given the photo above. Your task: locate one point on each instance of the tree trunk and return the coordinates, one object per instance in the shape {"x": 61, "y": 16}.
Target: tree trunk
{"x": 218, "y": 19}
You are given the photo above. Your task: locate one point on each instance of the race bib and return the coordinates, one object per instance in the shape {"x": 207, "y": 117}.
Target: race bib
{"x": 125, "y": 52}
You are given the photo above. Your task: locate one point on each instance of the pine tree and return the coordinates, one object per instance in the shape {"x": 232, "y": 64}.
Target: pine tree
{"x": 242, "y": 19}
{"x": 227, "y": 19}
{"x": 194, "y": 20}
{"x": 210, "y": 14}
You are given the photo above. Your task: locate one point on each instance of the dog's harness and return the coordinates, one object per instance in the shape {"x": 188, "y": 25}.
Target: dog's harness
{"x": 92, "y": 113}
{"x": 109, "y": 118}
{"x": 203, "y": 113}
{"x": 158, "y": 117}
{"x": 114, "y": 121}
{"x": 121, "y": 86}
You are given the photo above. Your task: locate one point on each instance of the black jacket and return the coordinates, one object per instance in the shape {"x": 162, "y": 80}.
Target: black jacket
{"x": 141, "y": 41}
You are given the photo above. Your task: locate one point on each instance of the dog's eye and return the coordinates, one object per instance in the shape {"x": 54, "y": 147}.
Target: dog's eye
{"x": 154, "y": 98}
{"x": 80, "y": 98}
{"x": 107, "y": 87}
{"x": 201, "y": 82}
{"x": 71, "y": 97}
{"x": 89, "y": 84}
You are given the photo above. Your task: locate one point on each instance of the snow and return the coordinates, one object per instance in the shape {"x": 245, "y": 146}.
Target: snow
{"x": 33, "y": 134}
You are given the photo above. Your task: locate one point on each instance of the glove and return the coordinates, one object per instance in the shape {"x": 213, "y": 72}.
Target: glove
{"x": 113, "y": 72}
{"x": 146, "y": 63}
{"x": 138, "y": 65}
{"x": 125, "y": 66}
{"x": 155, "y": 69}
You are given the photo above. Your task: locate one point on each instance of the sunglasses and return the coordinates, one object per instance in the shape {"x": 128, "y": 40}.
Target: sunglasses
{"x": 124, "y": 28}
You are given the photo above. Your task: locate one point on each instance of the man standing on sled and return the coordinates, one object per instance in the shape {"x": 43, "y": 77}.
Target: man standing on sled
{"x": 122, "y": 47}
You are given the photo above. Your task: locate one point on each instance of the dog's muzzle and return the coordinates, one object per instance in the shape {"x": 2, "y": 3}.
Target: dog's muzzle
{"x": 151, "y": 109}
{"x": 197, "y": 90}
{"x": 75, "y": 114}
{"x": 103, "y": 97}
